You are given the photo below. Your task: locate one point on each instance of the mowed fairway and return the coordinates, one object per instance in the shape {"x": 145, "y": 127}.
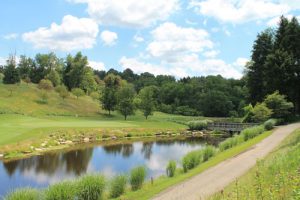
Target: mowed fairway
{"x": 15, "y": 128}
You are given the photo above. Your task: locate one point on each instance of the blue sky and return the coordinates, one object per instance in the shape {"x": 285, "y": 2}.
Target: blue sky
{"x": 177, "y": 37}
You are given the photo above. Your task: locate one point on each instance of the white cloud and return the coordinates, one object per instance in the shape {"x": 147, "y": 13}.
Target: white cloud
{"x": 72, "y": 34}
{"x": 275, "y": 21}
{"x": 138, "y": 38}
{"x": 170, "y": 40}
{"x": 11, "y": 36}
{"x": 130, "y": 13}
{"x": 109, "y": 38}
{"x": 240, "y": 11}
{"x": 97, "y": 65}
{"x": 211, "y": 54}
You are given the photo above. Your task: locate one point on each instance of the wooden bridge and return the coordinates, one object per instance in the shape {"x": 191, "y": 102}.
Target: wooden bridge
{"x": 229, "y": 127}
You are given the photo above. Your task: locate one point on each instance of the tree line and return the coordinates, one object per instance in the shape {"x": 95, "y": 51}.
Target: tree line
{"x": 274, "y": 66}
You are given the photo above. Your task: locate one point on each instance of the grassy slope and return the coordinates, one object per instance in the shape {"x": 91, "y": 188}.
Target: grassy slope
{"x": 163, "y": 183}
{"x": 22, "y": 118}
{"x": 275, "y": 177}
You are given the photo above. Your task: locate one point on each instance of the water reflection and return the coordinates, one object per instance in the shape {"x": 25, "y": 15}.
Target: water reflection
{"x": 39, "y": 171}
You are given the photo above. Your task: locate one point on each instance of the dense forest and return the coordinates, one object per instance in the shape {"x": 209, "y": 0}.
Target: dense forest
{"x": 274, "y": 66}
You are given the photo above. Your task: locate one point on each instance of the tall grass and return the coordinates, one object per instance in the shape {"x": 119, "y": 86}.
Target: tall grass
{"x": 208, "y": 152}
{"x": 277, "y": 177}
{"x": 24, "y": 194}
{"x": 171, "y": 168}
{"x": 270, "y": 124}
{"x": 198, "y": 124}
{"x": 118, "y": 186}
{"x": 137, "y": 177}
{"x": 90, "y": 187}
{"x": 64, "y": 190}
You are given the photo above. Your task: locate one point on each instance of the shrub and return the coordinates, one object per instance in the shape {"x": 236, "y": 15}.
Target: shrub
{"x": 118, "y": 185}
{"x": 208, "y": 152}
{"x": 64, "y": 190}
{"x": 186, "y": 111}
{"x": 90, "y": 187}
{"x": 77, "y": 92}
{"x": 62, "y": 91}
{"x": 230, "y": 142}
{"x": 95, "y": 95}
{"x": 43, "y": 98}
{"x": 191, "y": 160}
{"x": 45, "y": 84}
{"x": 171, "y": 168}
{"x": 198, "y": 125}
{"x": 137, "y": 177}
{"x": 24, "y": 194}
{"x": 270, "y": 124}
{"x": 252, "y": 132}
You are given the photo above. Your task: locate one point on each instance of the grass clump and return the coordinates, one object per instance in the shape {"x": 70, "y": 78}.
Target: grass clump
{"x": 269, "y": 124}
{"x": 137, "y": 177}
{"x": 118, "y": 185}
{"x": 191, "y": 160}
{"x": 90, "y": 187}
{"x": 252, "y": 132}
{"x": 208, "y": 152}
{"x": 24, "y": 194}
{"x": 64, "y": 190}
{"x": 198, "y": 125}
{"x": 171, "y": 168}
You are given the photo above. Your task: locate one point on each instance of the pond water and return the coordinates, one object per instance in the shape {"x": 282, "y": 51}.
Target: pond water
{"x": 40, "y": 171}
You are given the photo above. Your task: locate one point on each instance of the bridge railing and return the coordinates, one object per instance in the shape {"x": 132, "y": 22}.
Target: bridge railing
{"x": 229, "y": 126}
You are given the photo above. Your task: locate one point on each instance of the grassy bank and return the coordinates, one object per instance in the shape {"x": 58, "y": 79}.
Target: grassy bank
{"x": 275, "y": 177}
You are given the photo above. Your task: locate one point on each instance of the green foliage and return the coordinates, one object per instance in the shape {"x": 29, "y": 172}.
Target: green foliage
{"x": 137, "y": 177}
{"x": 118, "y": 186}
{"x": 198, "y": 125}
{"x": 186, "y": 111}
{"x": 11, "y": 73}
{"x": 125, "y": 100}
{"x": 269, "y": 124}
{"x": 1, "y": 77}
{"x": 109, "y": 97}
{"x": 24, "y": 194}
{"x": 90, "y": 187}
{"x": 54, "y": 77}
{"x": 45, "y": 84}
{"x": 259, "y": 113}
{"x": 62, "y": 91}
{"x": 191, "y": 160}
{"x": 77, "y": 92}
{"x": 252, "y": 132}
{"x": 208, "y": 152}
{"x": 95, "y": 95}
{"x": 43, "y": 97}
{"x": 230, "y": 142}
{"x": 88, "y": 83}
{"x": 147, "y": 101}
{"x": 279, "y": 105}
{"x": 65, "y": 190}
{"x": 171, "y": 168}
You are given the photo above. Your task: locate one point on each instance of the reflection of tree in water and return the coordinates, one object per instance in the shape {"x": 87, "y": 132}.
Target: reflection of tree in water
{"x": 77, "y": 161}
{"x": 147, "y": 149}
{"x": 125, "y": 149}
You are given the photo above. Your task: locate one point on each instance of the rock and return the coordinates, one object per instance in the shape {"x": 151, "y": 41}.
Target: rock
{"x": 32, "y": 147}
{"x": 1, "y": 155}
{"x": 43, "y": 144}
{"x": 39, "y": 149}
{"x": 114, "y": 137}
{"x": 86, "y": 139}
{"x": 69, "y": 142}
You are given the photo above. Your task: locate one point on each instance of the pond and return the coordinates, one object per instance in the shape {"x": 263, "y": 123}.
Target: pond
{"x": 40, "y": 171}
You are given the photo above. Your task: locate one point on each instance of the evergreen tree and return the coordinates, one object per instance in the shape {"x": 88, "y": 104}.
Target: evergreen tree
{"x": 11, "y": 73}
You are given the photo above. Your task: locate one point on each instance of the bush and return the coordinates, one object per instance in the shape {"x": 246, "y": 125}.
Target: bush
{"x": 95, "y": 95}
{"x": 43, "y": 98}
{"x": 186, "y": 111}
{"x": 77, "y": 92}
{"x": 62, "y": 91}
{"x": 230, "y": 142}
{"x": 64, "y": 190}
{"x": 137, "y": 177}
{"x": 171, "y": 168}
{"x": 191, "y": 160}
{"x": 24, "y": 194}
{"x": 252, "y": 132}
{"x": 166, "y": 108}
{"x": 118, "y": 185}
{"x": 270, "y": 124}
{"x": 90, "y": 187}
{"x": 198, "y": 125}
{"x": 45, "y": 84}
{"x": 208, "y": 152}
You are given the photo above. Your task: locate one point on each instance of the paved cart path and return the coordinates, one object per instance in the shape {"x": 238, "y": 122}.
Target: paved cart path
{"x": 216, "y": 178}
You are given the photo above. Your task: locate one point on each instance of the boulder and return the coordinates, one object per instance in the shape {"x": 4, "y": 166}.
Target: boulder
{"x": 86, "y": 139}
{"x": 69, "y": 142}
